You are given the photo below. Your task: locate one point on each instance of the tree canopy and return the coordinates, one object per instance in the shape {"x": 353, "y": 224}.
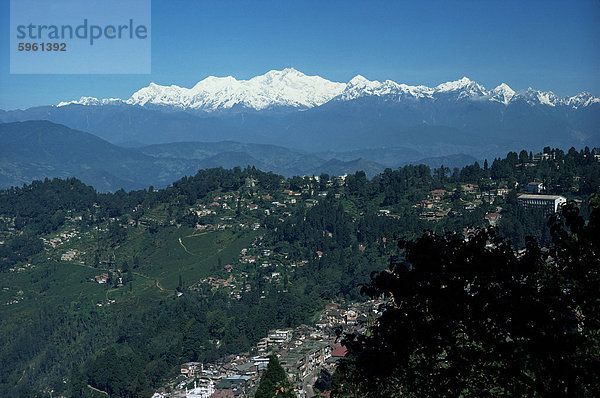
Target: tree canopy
{"x": 469, "y": 316}
{"x": 274, "y": 382}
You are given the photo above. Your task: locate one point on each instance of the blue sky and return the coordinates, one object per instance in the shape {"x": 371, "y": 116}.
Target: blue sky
{"x": 548, "y": 45}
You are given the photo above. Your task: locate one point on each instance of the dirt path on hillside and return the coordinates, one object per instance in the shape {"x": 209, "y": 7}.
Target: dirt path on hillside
{"x": 185, "y": 248}
{"x": 156, "y": 282}
{"x": 100, "y": 391}
{"x": 198, "y": 234}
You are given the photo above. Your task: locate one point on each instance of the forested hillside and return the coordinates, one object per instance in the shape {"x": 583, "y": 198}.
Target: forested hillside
{"x": 116, "y": 290}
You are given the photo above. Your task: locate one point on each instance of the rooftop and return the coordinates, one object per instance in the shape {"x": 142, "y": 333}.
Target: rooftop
{"x": 534, "y": 196}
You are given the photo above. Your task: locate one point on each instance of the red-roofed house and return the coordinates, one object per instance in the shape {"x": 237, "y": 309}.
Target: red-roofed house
{"x": 438, "y": 193}
{"x": 493, "y": 218}
{"x": 339, "y": 351}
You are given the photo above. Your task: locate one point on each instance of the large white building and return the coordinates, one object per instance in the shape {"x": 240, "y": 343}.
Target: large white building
{"x": 204, "y": 389}
{"x": 547, "y": 202}
{"x": 281, "y": 336}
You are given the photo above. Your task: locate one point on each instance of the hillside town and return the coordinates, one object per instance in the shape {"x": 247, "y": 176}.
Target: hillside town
{"x": 229, "y": 267}
{"x": 302, "y": 351}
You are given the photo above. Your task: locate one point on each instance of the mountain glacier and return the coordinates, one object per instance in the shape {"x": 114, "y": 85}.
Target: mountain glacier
{"x": 291, "y": 89}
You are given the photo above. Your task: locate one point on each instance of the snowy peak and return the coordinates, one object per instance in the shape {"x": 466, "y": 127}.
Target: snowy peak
{"x": 285, "y": 88}
{"x": 92, "y": 101}
{"x": 156, "y": 94}
{"x": 582, "y": 100}
{"x": 464, "y": 88}
{"x": 359, "y": 87}
{"x": 82, "y": 101}
{"x": 503, "y": 94}
{"x": 357, "y": 81}
{"x": 455, "y": 85}
{"x": 287, "y": 73}
{"x": 292, "y": 89}
{"x": 535, "y": 97}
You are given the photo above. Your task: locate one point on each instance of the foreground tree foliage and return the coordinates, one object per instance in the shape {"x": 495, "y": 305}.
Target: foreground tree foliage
{"x": 470, "y": 317}
{"x": 274, "y": 382}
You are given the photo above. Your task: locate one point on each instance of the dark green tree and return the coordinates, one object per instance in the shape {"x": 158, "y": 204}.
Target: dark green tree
{"x": 471, "y": 317}
{"x": 78, "y": 383}
{"x": 180, "y": 284}
{"x": 274, "y": 382}
{"x": 323, "y": 382}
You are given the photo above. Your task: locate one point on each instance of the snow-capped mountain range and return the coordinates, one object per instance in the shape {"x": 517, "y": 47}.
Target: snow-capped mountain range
{"x": 292, "y": 89}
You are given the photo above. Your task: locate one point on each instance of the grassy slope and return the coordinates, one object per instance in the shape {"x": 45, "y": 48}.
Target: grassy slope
{"x": 69, "y": 285}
